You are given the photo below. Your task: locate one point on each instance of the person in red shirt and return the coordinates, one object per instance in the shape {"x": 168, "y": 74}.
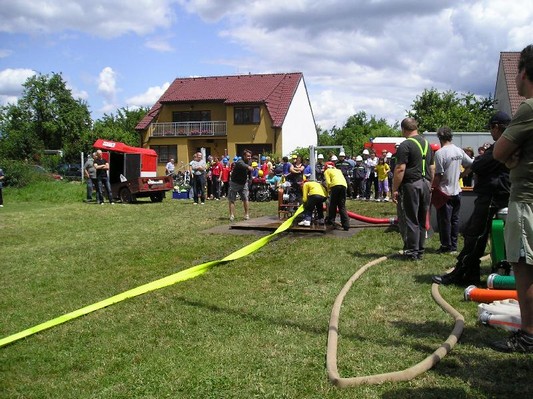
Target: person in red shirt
{"x": 224, "y": 176}
{"x": 216, "y": 172}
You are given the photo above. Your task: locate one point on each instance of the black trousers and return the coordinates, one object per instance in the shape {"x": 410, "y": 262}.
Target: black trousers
{"x": 337, "y": 200}
{"x": 477, "y": 230}
{"x": 314, "y": 202}
{"x": 412, "y": 208}
{"x": 448, "y": 221}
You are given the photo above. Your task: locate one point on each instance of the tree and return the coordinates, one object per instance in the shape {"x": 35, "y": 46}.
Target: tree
{"x": 120, "y": 127}
{"x": 359, "y": 129}
{"x": 45, "y": 117}
{"x": 462, "y": 113}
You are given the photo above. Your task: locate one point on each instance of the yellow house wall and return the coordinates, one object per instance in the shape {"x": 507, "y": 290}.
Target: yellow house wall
{"x": 218, "y": 110}
{"x": 249, "y": 134}
{"x": 236, "y": 134}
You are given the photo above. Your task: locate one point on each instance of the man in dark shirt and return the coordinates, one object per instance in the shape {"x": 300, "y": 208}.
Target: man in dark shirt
{"x": 492, "y": 188}
{"x": 411, "y": 188}
{"x": 238, "y": 184}
{"x": 102, "y": 166}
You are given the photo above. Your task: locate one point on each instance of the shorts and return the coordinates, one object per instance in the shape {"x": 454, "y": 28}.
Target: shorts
{"x": 519, "y": 232}
{"x": 235, "y": 188}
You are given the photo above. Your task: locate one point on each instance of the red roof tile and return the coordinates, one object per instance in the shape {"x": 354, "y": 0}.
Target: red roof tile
{"x": 276, "y": 91}
{"x": 509, "y": 61}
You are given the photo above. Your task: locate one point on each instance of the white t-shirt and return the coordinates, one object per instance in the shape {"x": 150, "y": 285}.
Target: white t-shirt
{"x": 448, "y": 162}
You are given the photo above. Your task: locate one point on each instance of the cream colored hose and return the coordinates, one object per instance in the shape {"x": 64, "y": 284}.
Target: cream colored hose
{"x": 403, "y": 375}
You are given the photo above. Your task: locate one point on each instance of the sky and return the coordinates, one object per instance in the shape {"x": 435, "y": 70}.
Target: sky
{"x": 374, "y": 56}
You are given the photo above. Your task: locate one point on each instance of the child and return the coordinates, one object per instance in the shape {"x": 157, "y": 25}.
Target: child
{"x": 382, "y": 169}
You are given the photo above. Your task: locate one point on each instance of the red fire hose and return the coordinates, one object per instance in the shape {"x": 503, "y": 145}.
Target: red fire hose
{"x": 367, "y": 219}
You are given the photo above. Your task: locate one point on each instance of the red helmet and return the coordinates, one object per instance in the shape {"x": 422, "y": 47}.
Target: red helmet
{"x": 435, "y": 147}
{"x": 328, "y": 165}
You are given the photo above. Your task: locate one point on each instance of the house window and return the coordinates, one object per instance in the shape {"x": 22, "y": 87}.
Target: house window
{"x": 246, "y": 115}
{"x": 191, "y": 116}
{"x": 165, "y": 152}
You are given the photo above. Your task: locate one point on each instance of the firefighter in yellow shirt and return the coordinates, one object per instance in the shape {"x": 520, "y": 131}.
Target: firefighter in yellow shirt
{"x": 313, "y": 195}
{"x": 336, "y": 185}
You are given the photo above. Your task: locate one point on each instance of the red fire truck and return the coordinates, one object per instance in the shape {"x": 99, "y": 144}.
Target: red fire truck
{"x": 133, "y": 172}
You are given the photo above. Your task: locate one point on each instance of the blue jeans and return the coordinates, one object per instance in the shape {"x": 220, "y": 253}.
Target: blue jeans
{"x": 103, "y": 181}
{"x": 198, "y": 187}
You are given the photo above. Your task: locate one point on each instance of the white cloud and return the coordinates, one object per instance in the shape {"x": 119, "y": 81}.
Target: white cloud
{"x": 11, "y": 81}
{"x": 374, "y": 56}
{"x": 148, "y": 98}
{"x": 103, "y": 18}
{"x": 160, "y": 44}
{"x": 4, "y": 53}
{"x": 107, "y": 83}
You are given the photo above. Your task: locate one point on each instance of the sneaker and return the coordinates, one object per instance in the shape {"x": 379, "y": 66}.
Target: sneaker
{"x": 112, "y": 203}
{"x": 246, "y": 217}
{"x": 305, "y": 223}
{"x": 1, "y": 206}
{"x": 518, "y": 342}
{"x": 101, "y": 203}
{"x": 202, "y": 203}
{"x": 231, "y": 218}
{"x": 195, "y": 203}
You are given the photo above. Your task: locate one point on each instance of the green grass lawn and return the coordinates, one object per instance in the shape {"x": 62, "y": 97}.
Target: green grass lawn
{"x": 252, "y": 328}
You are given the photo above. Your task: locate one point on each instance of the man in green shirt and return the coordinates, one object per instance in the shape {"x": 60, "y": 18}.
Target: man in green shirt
{"x": 515, "y": 149}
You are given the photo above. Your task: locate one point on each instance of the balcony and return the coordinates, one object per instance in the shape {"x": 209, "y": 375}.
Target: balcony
{"x": 187, "y": 129}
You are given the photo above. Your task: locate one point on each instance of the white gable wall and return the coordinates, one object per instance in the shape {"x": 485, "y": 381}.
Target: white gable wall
{"x": 501, "y": 95}
{"x": 299, "y": 126}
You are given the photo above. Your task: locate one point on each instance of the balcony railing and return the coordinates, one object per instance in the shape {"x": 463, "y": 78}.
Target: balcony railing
{"x": 180, "y": 129}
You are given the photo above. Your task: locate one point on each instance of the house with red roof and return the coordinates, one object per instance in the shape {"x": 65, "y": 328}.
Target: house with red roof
{"x": 269, "y": 113}
{"x": 506, "y": 94}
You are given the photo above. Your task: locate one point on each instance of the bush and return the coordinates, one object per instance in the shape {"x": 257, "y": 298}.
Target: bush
{"x": 20, "y": 173}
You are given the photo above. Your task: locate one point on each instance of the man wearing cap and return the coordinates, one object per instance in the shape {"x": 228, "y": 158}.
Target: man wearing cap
{"x": 372, "y": 176}
{"x": 359, "y": 176}
{"x": 448, "y": 161}
{"x": 515, "y": 148}
{"x": 411, "y": 188}
{"x": 319, "y": 168}
{"x": 238, "y": 184}
{"x": 336, "y": 185}
{"x": 346, "y": 169}
{"x": 492, "y": 189}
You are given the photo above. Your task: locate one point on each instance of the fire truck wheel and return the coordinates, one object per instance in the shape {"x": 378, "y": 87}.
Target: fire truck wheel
{"x": 157, "y": 197}
{"x": 125, "y": 195}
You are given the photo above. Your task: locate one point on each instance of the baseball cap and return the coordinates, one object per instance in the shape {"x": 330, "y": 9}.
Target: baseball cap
{"x": 500, "y": 118}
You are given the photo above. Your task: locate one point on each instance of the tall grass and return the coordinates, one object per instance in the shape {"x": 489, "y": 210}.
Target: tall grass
{"x": 253, "y": 328}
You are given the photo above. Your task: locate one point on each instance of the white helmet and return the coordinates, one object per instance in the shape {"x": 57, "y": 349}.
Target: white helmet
{"x": 333, "y": 158}
{"x": 320, "y": 156}
{"x": 359, "y": 158}
{"x": 389, "y": 155}
{"x": 365, "y": 152}
{"x": 342, "y": 154}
